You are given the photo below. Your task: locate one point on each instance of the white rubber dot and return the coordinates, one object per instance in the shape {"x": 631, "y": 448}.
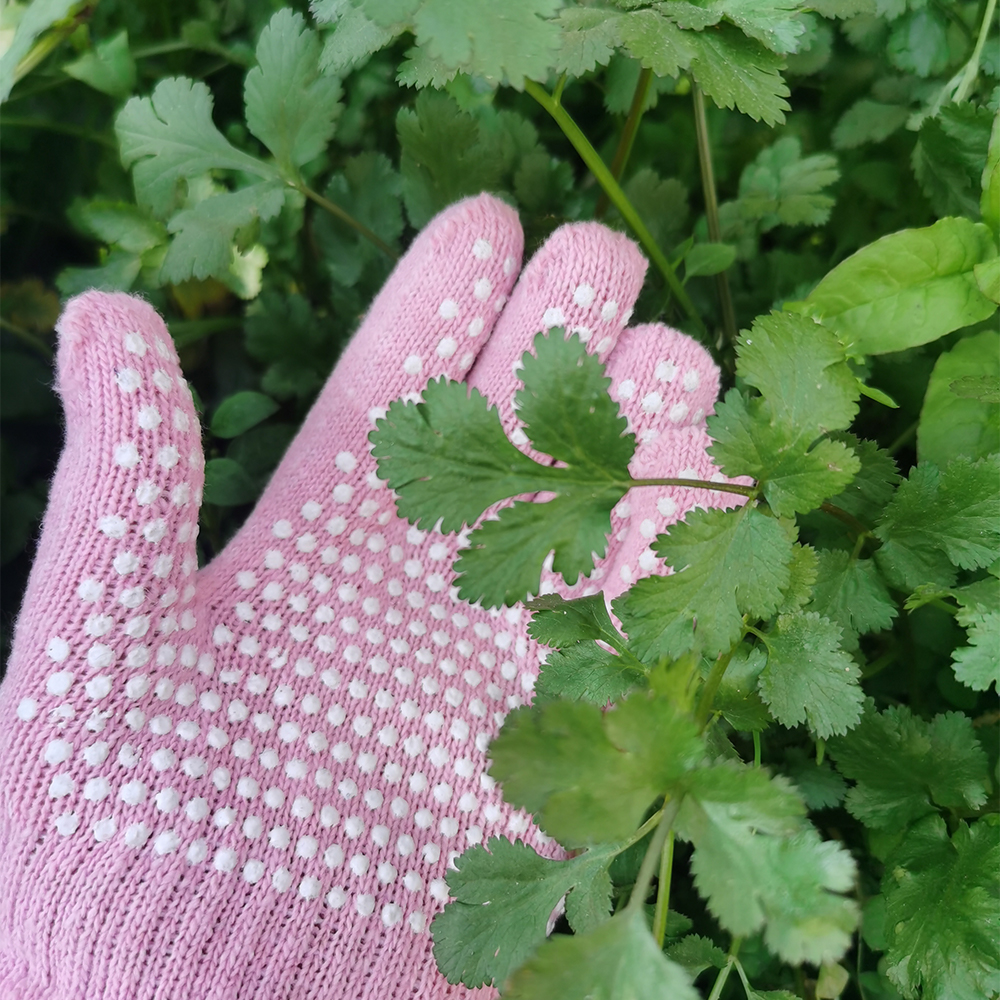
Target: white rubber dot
{"x": 609, "y": 310}
{"x": 128, "y": 380}
{"x": 482, "y": 250}
{"x": 508, "y": 265}
{"x": 447, "y": 347}
{"x": 346, "y": 462}
{"x": 667, "y": 506}
{"x": 665, "y": 371}
{"x": 652, "y": 402}
{"x": 134, "y": 344}
{"x": 482, "y": 289}
{"x": 475, "y": 327}
{"x": 413, "y": 364}
{"x": 626, "y": 389}
{"x": 113, "y": 526}
{"x": 149, "y": 418}
{"x": 311, "y": 510}
{"x": 678, "y": 412}
{"x": 553, "y": 316}
{"x": 168, "y": 456}
{"x": 57, "y": 649}
{"x": 691, "y": 380}
{"x": 583, "y": 296}
{"x": 27, "y": 709}
{"x": 126, "y": 455}
{"x": 448, "y": 309}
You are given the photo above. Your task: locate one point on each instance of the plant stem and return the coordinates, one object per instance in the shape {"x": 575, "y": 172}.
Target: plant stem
{"x": 344, "y": 217}
{"x": 663, "y": 890}
{"x": 711, "y": 687}
{"x": 32, "y": 339}
{"x": 699, "y": 484}
{"x": 603, "y": 176}
{"x": 756, "y": 748}
{"x": 63, "y": 127}
{"x": 712, "y": 209}
{"x": 849, "y": 519}
{"x": 720, "y": 979}
{"x": 627, "y": 140}
{"x": 48, "y": 43}
{"x": 972, "y": 66}
{"x": 743, "y": 977}
{"x": 649, "y": 863}
{"x": 903, "y": 438}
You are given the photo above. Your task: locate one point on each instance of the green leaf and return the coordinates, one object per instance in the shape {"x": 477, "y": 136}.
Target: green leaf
{"x": 118, "y": 224}
{"x": 820, "y": 786}
{"x": 737, "y": 698}
{"x": 240, "y": 412}
{"x": 780, "y": 187}
{"x": 794, "y": 474}
{"x": 868, "y": 121}
{"x": 557, "y": 622}
{"x": 589, "y": 37}
{"x": 503, "y": 895}
{"x": 227, "y": 483}
{"x": 353, "y": 40}
{"x": 989, "y": 202}
{"x": 943, "y": 912}
{"x": 950, "y": 424}
{"x": 662, "y": 204}
{"x": 587, "y": 775}
{"x": 289, "y": 106}
{"x": 988, "y": 278}
{"x": 907, "y": 288}
{"x": 586, "y": 672}
{"x": 708, "y": 258}
{"x": 651, "y": 37}
{"x": 772, "y": 22}
{"x": 444, "y": 157}
{"x": 905, "y": 767}
{"x": 851, "y": 593}
{"x": 619, "y": 959}
{"x": 918, "y": 42}
{"x": 39, "y": 16}
{"x": 694, "y": 954}
{"x": 978, "y": 664}
{"x": 937, "y": 519}
{"x": 808, "y": 677}
{"x": 871, "y": 489}
{"x": 802, "y": 371}
{"x": 735, "y": 70}
{"x": 108, "y": 67}
{"x": 204, "y": 244}
{"x": 803, "y": 567}
{"x": 762, "y": 867}
{"x": 727, "y": 563}
{"x": 170, "y": 136}
{"x": 985, "y": 388}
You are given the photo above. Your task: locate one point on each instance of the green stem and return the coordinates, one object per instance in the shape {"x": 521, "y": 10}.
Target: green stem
{"x": 699, "y": 484}
{"x": 712, "y": 682}
{"x": 162, "y": 49}
{"x": 663, "y": 890}
{"x": 603, "y": 176}
{"x": 649, "y": 863}
{"x": 972, "y": 66}
{"x": 712, "y": 209}
{"x": 347, "y": 219}
{"x": 756, "y": 748}
{"x": 48, "y": 43}
{"x": 903, "y": 438}
{"x": 743, "y": 977}
{"x": 849, "y": 519}
{"x": 720, "y": 979}
{"x": 32, "y": 339}
{"x": 65, "y": 128}
{"x": 627, "y": 140}
{"x": 641, "y": 832}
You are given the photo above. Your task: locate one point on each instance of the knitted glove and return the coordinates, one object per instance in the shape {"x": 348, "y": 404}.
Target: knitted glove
{"x": 248, "y": 781}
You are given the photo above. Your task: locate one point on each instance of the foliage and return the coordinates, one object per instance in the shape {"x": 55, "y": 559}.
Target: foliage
{"x": 805, "y": 713}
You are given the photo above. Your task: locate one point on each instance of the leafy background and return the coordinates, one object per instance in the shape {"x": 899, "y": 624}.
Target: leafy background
{"x": 827, "y": 125}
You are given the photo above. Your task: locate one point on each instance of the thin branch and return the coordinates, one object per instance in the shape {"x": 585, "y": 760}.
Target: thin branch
{"x": 349, "y": 220}
{"x": 849, "y": 519}
{"x": 699, "y": 484}
{"x": 649, "y": 863}
{"x": 712, "y": 209}
{"x": 627, "y": 140}
{"x": 972, "y": 67}
{"x": 663, "y": 890}
{"x": 31, "y": 339}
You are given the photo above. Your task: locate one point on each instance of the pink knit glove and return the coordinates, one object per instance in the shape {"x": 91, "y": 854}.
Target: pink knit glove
{"x": 248, "y": 781}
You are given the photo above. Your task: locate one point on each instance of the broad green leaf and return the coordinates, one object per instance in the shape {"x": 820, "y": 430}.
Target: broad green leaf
{"x": 943, "y": 912}
{"x": 763, "y": 868}
{"x": 795, "y": 474}
{"x": 503, "y": 894}
{"x": 39, "y": 16}
{"x": 227, "y": 483}
{"x": 727, "y": 563}
{"x": 289, "y": 106}
{"x": 708, "y": 258}
{"x": 868, "y": 121}
{"x": 987, "y": 277}
{"x": 952, "y": 425}
{"x": 659, "y": 44}
{"x": 108, "y": 67}
{"x": 850, "y": 592}
{"x": 985, "y": 388}
{"x": 808, "y": 677}
{"x": 736, "y": 70}
{"x": 240, "y": 412}
{"x": 589, "y": 776}
{"x": 205, "y": 234}
{"x": 905, "y": 768}
{"x": 937, "y": 519}
{"x": 907, "y": 288}
{"x": 617, "y": 961}
{"x": 772, "y": 22}
{"x": 170, "y": 136}
{"x": 800, "y": 368}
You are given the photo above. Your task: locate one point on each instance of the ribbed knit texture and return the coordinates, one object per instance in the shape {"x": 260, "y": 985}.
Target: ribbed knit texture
{"x": 247, "y": 782}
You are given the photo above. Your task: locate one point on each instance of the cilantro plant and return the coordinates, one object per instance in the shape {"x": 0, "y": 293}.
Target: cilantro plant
{"x": 775, "y": 769}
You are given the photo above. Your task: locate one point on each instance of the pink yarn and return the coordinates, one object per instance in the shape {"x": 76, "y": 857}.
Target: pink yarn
{"x": 248, "y": 781}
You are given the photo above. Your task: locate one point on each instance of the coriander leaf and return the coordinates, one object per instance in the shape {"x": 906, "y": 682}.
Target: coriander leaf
{"x": 851, "y": 593}
{"x": 762, "y": 867}
{"x": 444, "y": 156}
{"x": 354, "y": 39}
{"x": 803, "y": 568}
{"x": 589, "y": 37}
{"x": 868, "y": 121}
{"x": 586, "y": 672}
{"x": 108, "y": 67}
{"x": 794, "y": 474}
{"x": 694, "y": 954}
{"x": 117, "y": 274}
{"x": 733, "y": 69}
{"x": 119, "y": 224}
{"x": 737, "y": 698}
{"x": 939, "y": 518}
{"x": 589, "y": 904}
{"x": 808, "y": 677}
{"x": 978, "y": 664}
{"x": 617, "y": 959}
{"x": 289, "y": 106}
{"x": 227, "y": 483}
{"x": 566, "y": 410}
{"x": 557, "y": 622}
{"x": 772, "y": 22}
{"x": 905, "y": 767}
{"x": 503, "y": 896}
{"x": 652, "y": 38}
{"x": 203, "y": 244}
{"x": 727, "y": 563}
{"x": 801, "y": 369}
{"x": 170, "y": 136}
{"x": 874, "y": 484}
{"x": 919, "y": 42}
{"x": 951, "y": 425}
{"x": 943, "y": 912}
{"x": 588, "y": 775}
{"x": 872, "y": 297}
{"x": 820, "y": 786}
{"x": 662, "y": 203}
